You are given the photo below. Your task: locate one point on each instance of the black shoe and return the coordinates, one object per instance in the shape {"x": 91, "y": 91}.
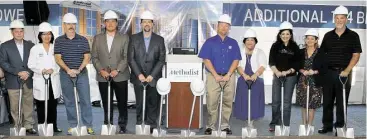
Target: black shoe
{"x": 57, "y": 130}
{"x": 31, "y": 131}
{"x": 324, "y": 130}
{"x": 271, "y": 129}
{"x": 122, "y": 130}
{"x": 208, "y": 131}
{"x": 96, "y": 103}
{"x": 151, "y": 130}
{"x": 228, "y": 131}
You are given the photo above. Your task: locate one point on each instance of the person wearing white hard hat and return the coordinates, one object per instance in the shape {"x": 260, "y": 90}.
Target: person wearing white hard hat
{"x": 72, "y": 54}
{"x": 42, "y": 62}
{"x": 221, "y": 55}
{"x": 312, "y": 70}
{"x": 343, "y": 48}
{"x": 251, "y": 68}
{"x": 146, "y": 57}
{"x": 283, "y": 61}
{"x": 109, "y": 57}
{"x": 13, "y": 60}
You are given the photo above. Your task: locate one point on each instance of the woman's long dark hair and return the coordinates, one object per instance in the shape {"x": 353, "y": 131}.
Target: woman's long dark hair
{"x": 291, "y": 40}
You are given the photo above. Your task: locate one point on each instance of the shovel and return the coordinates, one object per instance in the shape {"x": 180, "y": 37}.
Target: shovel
{"x": 78, "y": 130}
{"x": 282, "y": 130}
{"x": 108, "y": 129}
{"x": 166, "y": 85}
{"x": 220, "y": 133}
{"x": 249, "y": 131}
{"x": 197, "y": 89}
{"x": 344, "y": 131}
{"x": 143, "y": 129}
{"x": 306, "y": 130}
{"x": 18, "y": 130}
{"x": 46, "y": 129}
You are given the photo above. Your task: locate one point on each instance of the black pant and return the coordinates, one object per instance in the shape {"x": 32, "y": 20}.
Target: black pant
{"x": 7, "y": 103}
{"x": 52, "y": 111}
{"x": 151, "y": 105}
{"x": 121, "y": 95}
{"x": 334, "y": 89}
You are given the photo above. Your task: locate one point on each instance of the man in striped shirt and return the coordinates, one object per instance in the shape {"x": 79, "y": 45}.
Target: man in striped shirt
{"x": 343, "y": 49}
{"x": 72, "y": 54}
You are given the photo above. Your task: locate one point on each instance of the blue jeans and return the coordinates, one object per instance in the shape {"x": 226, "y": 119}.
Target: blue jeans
{"x": 289, "y": 85}
{"x": 82, "y": 86}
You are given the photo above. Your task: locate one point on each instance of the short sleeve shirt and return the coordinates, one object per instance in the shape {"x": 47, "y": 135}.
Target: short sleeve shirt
{"x": 72, "y": 50}
{"x": 220, "y": 53}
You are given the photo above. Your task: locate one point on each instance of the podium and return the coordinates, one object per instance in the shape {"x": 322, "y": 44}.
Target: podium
{"x": 181, "y": 70}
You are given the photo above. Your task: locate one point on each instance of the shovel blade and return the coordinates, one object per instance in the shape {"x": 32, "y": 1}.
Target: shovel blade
{"x": 108, "y": 130}
{"x": 282, "y": 130}
{"x": 350, "y": 133}
{"x": 159, "y": 133}
{"x": 82, "y": 131}
{"x": 184, "y": 133}
{"x": 14, "y": 132}
{"x": 302, "y": 130}
{"x": 249, "y": 132}
{"x": 46, "y": 131}
{"x": 340, "y": 132}
{"x": 142, "y": 129}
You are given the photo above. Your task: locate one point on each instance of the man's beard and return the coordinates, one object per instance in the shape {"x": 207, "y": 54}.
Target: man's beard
{"x": 146, "y": 29}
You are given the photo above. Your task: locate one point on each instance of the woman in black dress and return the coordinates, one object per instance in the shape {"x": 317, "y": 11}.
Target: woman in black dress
{"x": 313, "y": 66}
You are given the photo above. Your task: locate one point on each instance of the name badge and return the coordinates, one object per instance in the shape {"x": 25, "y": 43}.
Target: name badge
{"x": 40, "y": 55}
{"x": 229, "y": 47}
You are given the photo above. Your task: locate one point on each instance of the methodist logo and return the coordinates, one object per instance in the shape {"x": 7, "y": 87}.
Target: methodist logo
{"x": 183, "y": 72}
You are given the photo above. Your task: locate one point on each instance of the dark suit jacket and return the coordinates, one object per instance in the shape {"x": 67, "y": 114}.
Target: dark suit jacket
{"x": 12, "y": 63}
{"x": 146, "y": 63}
{"x": 319, "y": 63}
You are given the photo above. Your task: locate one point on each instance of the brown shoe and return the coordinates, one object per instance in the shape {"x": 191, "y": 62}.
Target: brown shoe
{"x": 31, "y": 131}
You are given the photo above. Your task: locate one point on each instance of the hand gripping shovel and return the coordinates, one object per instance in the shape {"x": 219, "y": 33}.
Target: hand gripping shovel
{"x": 143, "y": 129}
{"x": 344, "y": 131}
{"x": 308, "y": 129}
{"x": 220, "y": 133}
{"x": 197, "y": 89}
{"x": 163, "y": 88}
{"x": 108, "y": 129}
{"x": 282, "y": 130}
{"x": 78, "y": 130}
{"x": 18, "y": 130}
{"x": 249, "y": 131}
{"x": 46, "y": 129}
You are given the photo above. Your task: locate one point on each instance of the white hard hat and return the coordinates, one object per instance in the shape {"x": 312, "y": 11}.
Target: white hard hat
{"x": 16, "y": 24}
{"x": 312, "y": 32}
{"x": 197, "y": 87}
{"x": 163, "y": 86}
{"x": 341, "y": 10}
{"x": 285, "y": 25}
{"x": 147, "y": 15}
{"x": 250, "y": 33}
{"x": 69, "y": 18}
{"x": 225, "y": 18}
{"x": 110, "y": 15}
{"x": 44, "y": 27}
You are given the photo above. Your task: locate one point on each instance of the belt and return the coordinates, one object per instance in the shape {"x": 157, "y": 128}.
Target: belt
{"x": 222, "y": 74}
{"x": 336, "y": 68}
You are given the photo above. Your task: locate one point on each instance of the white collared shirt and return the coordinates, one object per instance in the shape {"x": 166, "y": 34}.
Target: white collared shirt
{"x": 258, "y": 59}
{"x": 109, "y": 41}
{"x": 20, "y": 49}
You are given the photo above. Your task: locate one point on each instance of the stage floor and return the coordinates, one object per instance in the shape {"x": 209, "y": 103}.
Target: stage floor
{"x": 356, "y": 114}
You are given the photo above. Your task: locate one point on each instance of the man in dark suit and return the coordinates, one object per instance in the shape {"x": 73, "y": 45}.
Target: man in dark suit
{"x": 146, "y": 57}
{"x": 13, "y": 59}
{"x": 109, "y": 56}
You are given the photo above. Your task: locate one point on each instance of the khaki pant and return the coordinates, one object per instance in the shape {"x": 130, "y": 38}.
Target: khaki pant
{"x": 213, "y": 99}
{"x": 27, "y": 106}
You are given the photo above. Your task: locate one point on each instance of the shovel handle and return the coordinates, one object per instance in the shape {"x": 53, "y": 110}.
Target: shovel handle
{"x": 74, "y": 80}
{"x": 46, "y": 77}
{"x": 343, "y": 80}
{"x": 282, "y": 79}
{"x": 144, "y": 84}
{"x": 224, "y": 85}
{"x": 249, "y": 83}
{"x": 21, "y": 82}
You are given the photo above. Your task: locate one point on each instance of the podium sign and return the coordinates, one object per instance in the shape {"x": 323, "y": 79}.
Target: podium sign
{"x": 180, "y": 98}
{"x": 184, "y": 72}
